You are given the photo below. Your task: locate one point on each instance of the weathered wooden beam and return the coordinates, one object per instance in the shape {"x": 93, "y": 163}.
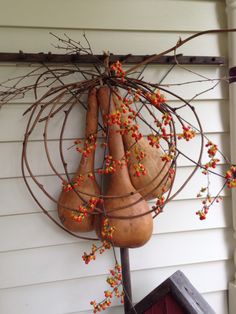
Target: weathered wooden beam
{"x": 95, "y": 59}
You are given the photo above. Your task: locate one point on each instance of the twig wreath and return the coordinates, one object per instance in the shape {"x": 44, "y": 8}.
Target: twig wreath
{"x": 134, "y": 167}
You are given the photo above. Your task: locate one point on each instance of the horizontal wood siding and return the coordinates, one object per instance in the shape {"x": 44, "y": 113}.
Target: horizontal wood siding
{"x": 79, "y": 14}
{"x": 41, "y": 269}
{"x": 64, "y": 296}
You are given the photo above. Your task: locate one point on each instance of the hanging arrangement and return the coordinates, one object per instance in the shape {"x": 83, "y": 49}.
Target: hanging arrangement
{"x": 120, "y": 167}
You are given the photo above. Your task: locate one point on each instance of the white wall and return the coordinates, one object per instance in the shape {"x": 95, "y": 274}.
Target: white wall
{"x": 41, "y": 270}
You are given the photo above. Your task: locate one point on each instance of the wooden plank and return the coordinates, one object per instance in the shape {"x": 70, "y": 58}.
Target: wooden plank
{"x": 47, "y": 58}
{"x": 13, "y": 113}
{"x": 73, "y": 296}
{"x": 154, "y": 16}
{"x": 36, "y": 230}
{"x": 30, "y": 266}
{"x": 109, "y": 39}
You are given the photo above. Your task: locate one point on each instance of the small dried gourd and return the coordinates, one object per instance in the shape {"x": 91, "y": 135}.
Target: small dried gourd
{"x": 70, "y": 201}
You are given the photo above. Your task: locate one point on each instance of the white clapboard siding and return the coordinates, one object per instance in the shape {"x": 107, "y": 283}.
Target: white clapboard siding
{"x": 218, "y": 300}
{"x": 198, "y": 180}
{"x": 19, "y": 199}
{"x": 36, "y": 230}
{"x": 115, "y": 41}
{"x": 13, "y": 112}
{"x": 23, "y": 203}
{"x": 41, "y": 268}
{"x": 66, "y": 296}
{"x": 11, "y": 155}
{"x": 24, "y": 267}
{"x": 85, "y": 15}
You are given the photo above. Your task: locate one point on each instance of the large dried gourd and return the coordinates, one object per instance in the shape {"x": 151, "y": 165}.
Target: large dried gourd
{"x": 121, "y": 198}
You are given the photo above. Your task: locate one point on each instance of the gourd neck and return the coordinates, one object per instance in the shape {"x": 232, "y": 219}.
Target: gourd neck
{"x": 116, "y": 150}
{"x": 87, "y": 160}
{"x": 86, "y": 164}
{"x": 115, "y": 142}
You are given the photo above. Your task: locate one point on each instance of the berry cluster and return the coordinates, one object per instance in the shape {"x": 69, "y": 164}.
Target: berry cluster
{"x": 156, "y": 98}
{"x": 111, "y": 165}
{"x": 81, "y": 215}
{"x": 167, "y": 118}
{"x": 126, "y": 125}
{"x": 107, "y": 230}
{"x": 202, "y": 213}
{"x": 118, "y": 70}
{"x": 207, "y": 202}
{"x": 230, "y": 176}
{"x": 89, "y": 145}
{"x": 139, "y": 169}
{"x": 102, "y": 306}
{"x": 76, "y": 181}
{"x": 160, "y": 202}
{"x": 140, "y": 154}
{"x": 166, "y": 157}
{"x": 79, "y": 180}
{"x": 66, "y": 186}
{"x": 107, "y": 233}
{"x": 136, "y": 94}
{"x": 134, "y": 130}
{"x": 212, "y": 151}
{"x": 87, "y": 258}
{"x": 154, "y": 140}
{"x": 91, "y": 176}
{"x": 187, "y": 134}
{"x": 85, "y": 209}
{"x": 211, "y": 164}
{"x": 114, "y": 282}
{"x": 113, "y": 118}
{"x": 171, "y": 173}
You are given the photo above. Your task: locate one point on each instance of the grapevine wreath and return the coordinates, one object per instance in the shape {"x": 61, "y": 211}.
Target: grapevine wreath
{"x": 132, "y": 166}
